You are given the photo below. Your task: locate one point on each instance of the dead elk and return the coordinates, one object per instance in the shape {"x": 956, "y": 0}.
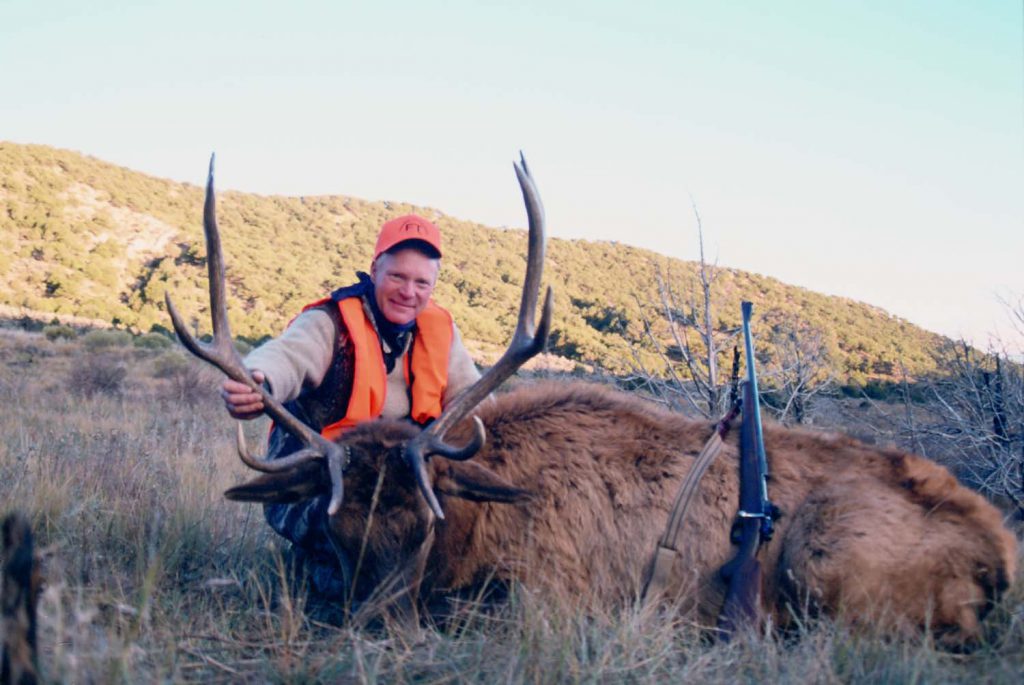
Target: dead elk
{"x": 572, "y": 487}
{"x": 871, "y": 534}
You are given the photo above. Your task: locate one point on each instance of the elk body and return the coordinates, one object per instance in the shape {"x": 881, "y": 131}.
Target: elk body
{"x": 573, "y": 484}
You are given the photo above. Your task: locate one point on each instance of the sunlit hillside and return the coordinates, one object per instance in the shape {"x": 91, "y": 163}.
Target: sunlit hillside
{"x": 81, "y": 237}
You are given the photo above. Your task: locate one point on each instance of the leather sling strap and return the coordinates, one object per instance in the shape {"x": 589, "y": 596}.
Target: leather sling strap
{"x": 668, "y": 551}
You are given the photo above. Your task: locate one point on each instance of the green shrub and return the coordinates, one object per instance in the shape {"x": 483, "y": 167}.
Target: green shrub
{"x": 170, "y": 364}
{"x": 59, "y": 331}
{"x": 153, "y": 341}
{"x": 101, "y": 338}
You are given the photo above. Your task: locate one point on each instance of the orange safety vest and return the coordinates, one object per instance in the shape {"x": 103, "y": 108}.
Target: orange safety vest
{"x": 426, "y": 365}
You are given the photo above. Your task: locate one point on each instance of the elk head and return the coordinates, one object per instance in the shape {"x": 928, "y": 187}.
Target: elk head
{"x": 384, "y": 529}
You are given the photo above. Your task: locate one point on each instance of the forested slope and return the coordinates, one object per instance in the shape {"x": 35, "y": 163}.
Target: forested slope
{"x": 84, "y": 237}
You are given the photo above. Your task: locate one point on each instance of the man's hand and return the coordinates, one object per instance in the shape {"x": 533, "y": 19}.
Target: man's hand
{"x": 241, "y": 402}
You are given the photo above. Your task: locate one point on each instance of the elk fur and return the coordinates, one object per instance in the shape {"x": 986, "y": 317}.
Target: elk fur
{"x": 574, "y": 486}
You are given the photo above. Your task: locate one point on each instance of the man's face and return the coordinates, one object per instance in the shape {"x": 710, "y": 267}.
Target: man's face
{"x": 403, "y": 282}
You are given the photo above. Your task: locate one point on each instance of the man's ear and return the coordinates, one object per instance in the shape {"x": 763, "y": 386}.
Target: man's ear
{"x": 472, "y": 481}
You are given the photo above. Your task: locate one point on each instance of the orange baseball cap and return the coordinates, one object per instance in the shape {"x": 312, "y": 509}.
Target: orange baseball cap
{"x": 408, "y": 227}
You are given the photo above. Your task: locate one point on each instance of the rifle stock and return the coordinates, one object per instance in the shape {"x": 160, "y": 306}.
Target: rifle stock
{"x": 743, "y": 574}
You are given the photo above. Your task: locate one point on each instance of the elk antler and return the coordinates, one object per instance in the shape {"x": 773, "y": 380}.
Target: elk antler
{"x": 526, "y": 343}
{"x": 221, "y": 353}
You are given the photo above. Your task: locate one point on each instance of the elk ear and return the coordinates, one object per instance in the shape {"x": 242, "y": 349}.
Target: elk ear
{"x": 472, "y": 481}
{"x": 306, "y": 481}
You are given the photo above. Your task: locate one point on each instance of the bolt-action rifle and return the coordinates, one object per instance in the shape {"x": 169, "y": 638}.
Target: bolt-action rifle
{"x": 753, "y": 524}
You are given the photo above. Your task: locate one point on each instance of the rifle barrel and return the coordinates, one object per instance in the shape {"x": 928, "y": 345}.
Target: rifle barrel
{"x": 762, "y": 460}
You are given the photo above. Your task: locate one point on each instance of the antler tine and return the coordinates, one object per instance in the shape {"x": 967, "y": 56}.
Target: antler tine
{"x": 476, "y": 441}
{"x": 526, "y": 342}
{"x": 274, "y": 465}
{"x": 337, "y": 460}
{"x": 215, "y": 269}
{"x": 221, "y": 353}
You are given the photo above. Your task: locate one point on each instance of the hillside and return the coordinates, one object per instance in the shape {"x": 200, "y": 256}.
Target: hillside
{"x": 83, "y": 237}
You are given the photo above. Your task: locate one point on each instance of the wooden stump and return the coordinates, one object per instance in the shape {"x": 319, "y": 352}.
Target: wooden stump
{"x": 19, "y": 593}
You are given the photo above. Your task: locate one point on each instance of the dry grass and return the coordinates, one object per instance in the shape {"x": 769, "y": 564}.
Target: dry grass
{"x": 152, "y": 576}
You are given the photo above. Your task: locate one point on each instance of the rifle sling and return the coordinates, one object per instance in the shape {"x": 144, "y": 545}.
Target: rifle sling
{"x": 667, "y": 551}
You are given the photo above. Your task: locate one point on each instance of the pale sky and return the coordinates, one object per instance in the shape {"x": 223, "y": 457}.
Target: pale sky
{"x": 870, "y": 149}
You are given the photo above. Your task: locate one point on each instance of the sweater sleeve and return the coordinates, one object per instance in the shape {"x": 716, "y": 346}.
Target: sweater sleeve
{"x": 462, "y": 372}
{"x": 298, "y": 359}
